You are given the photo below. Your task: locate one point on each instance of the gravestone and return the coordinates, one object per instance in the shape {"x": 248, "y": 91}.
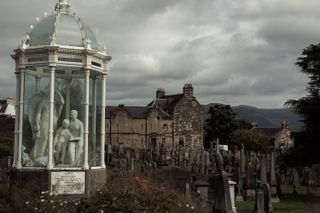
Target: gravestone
{"x": 273, "y": 182}
{"x": 259, "y": 199}
{"x": 232, "y": 185}
{"x": 295, "y": 179}
{"x": 263, "y": 170}
{"x": 221, "y": 186}
{"x": 202, "y": 187}
{"x": 250, "y": 177}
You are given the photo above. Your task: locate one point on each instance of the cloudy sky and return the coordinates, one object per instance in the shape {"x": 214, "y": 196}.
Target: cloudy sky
{"x": 232, "y": 51}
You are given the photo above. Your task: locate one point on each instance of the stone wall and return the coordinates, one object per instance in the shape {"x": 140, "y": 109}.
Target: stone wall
{"x": 137, "y": 132}
{"x": 188, "y": 122}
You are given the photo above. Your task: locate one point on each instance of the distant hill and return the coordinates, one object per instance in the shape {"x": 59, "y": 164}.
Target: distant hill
{"x": 265, "y": 118}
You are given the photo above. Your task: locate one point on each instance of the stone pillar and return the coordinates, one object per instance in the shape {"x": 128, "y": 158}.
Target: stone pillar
{"x": 273, "y": 182}
{"x": 86, "y": 119}
{"x": 232, "y": 195}
{"x": 272, "y": 170}
{"x": 68, "y": 99}
{"x": 94, "y": 119}
{"x": 20, "y": 129}
{"x": 242, "y": 175}
{"x": 103, "y": 121}
{"x": 51, "y": 111}
{"x": 263, "y": 170}
{"x": 16, "y": 121}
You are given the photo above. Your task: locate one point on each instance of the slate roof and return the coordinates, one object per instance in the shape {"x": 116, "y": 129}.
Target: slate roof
{"x": 167, "y": 102}
{"x": 133, "y": 111}
{"x": 136, "y": 112}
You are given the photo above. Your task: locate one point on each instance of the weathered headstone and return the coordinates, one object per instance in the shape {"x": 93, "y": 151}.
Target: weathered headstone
{"x": 221, "y": 186}
{"x": 295, "y": 179}
{"x": 202, "y": 189}
{"x": 273, "y": 182}
{"x": 259, "y": 199}
{"x": 232, "y": 185}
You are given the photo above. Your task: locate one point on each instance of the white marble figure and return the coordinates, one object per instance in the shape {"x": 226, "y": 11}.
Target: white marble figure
{"x": 39, "y": 121}
{"x": 75, "y": 146}
{"x": 61, "y": 143}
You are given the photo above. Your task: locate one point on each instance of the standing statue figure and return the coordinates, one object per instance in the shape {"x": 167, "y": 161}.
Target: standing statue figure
{"x": 61, "y": 142}
{"x": 75, "y": 147}
{"x": 39, "y": 121}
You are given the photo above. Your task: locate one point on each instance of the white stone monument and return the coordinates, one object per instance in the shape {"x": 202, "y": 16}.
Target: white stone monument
{"x": 61, "y": 73}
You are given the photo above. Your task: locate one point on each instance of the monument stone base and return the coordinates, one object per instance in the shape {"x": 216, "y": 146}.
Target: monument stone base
{"x": 57, "y": 183}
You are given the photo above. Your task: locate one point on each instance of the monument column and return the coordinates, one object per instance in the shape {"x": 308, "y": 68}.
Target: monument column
{"x": 86, "y": 119}
{"x": 16, "y": 121}
{"x": 68, "y": 81}
{"x": 103, "y": 121}
{"x": 94, "y": 118}
{"x": 20, "y": 129}
{"x": 51, "y": 109}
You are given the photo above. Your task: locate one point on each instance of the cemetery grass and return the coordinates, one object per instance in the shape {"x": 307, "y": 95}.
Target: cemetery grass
{"x": 289, "y": 202}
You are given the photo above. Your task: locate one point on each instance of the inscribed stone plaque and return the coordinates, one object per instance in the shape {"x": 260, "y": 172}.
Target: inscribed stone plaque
{"x": 64, "y": 183}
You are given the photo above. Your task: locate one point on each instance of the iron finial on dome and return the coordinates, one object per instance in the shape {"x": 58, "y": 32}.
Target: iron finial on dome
{"x": 63, "y": 7}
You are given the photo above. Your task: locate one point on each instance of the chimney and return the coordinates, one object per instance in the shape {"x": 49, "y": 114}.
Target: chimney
{"x": 188, "y": 90}
{"x": 160, "y": 92}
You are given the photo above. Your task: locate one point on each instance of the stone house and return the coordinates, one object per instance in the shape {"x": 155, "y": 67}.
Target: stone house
{"x": 169, "y": 119}
{"x": 280, "y": 137}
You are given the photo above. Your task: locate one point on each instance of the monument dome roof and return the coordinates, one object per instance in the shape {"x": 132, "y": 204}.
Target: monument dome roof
{"x": 62, "y": 28}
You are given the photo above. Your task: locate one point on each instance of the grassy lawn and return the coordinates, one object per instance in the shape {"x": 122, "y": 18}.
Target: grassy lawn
{"x": 289, "y": 203}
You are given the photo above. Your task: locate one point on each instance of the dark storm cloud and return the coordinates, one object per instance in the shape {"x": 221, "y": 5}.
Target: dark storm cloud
{"x": 236, "y": 52}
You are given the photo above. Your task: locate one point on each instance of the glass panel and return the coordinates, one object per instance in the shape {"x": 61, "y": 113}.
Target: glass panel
{"x": 90, "y": 35}
{"x": 95, "y": 122}
{"x": 41, "y": 34}
{"x": 68, "y": 31}
{"x": 68, "y": 140}
{"x": 35, "y": 122}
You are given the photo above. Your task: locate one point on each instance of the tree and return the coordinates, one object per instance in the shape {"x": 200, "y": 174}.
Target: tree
{"x": 309, "y": 106}
{"x": 252, "y": 140}
{"x": 221, "y": 123}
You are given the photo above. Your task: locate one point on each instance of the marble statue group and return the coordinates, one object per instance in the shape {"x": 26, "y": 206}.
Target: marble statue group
{"x": 68, "y": 139}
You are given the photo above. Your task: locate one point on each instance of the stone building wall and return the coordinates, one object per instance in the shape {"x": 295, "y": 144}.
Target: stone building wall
{"x": 138, "y": 132}
{"x": 188, "y": 122}
{"x": 169, "y": 119}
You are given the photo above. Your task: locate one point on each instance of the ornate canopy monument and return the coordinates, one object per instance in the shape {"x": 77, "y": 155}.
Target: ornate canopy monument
{"x": 61, "y": 90}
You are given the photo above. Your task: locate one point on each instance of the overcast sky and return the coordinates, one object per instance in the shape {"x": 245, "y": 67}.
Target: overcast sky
{"x": 232, "y": 51}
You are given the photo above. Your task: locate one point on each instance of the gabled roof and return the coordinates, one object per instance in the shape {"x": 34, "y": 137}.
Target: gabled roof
{"x": 167, "y": 102}
{"x": 133, "y": 111}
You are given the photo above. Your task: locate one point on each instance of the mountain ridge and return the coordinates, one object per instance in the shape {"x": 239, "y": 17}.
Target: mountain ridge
{"x": 264, "y": 118}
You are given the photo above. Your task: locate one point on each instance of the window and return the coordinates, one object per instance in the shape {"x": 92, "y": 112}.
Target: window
{"x": 165, "y": 127}
{"x": 181, "y": 142}
{"x": 164, "y": 140}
